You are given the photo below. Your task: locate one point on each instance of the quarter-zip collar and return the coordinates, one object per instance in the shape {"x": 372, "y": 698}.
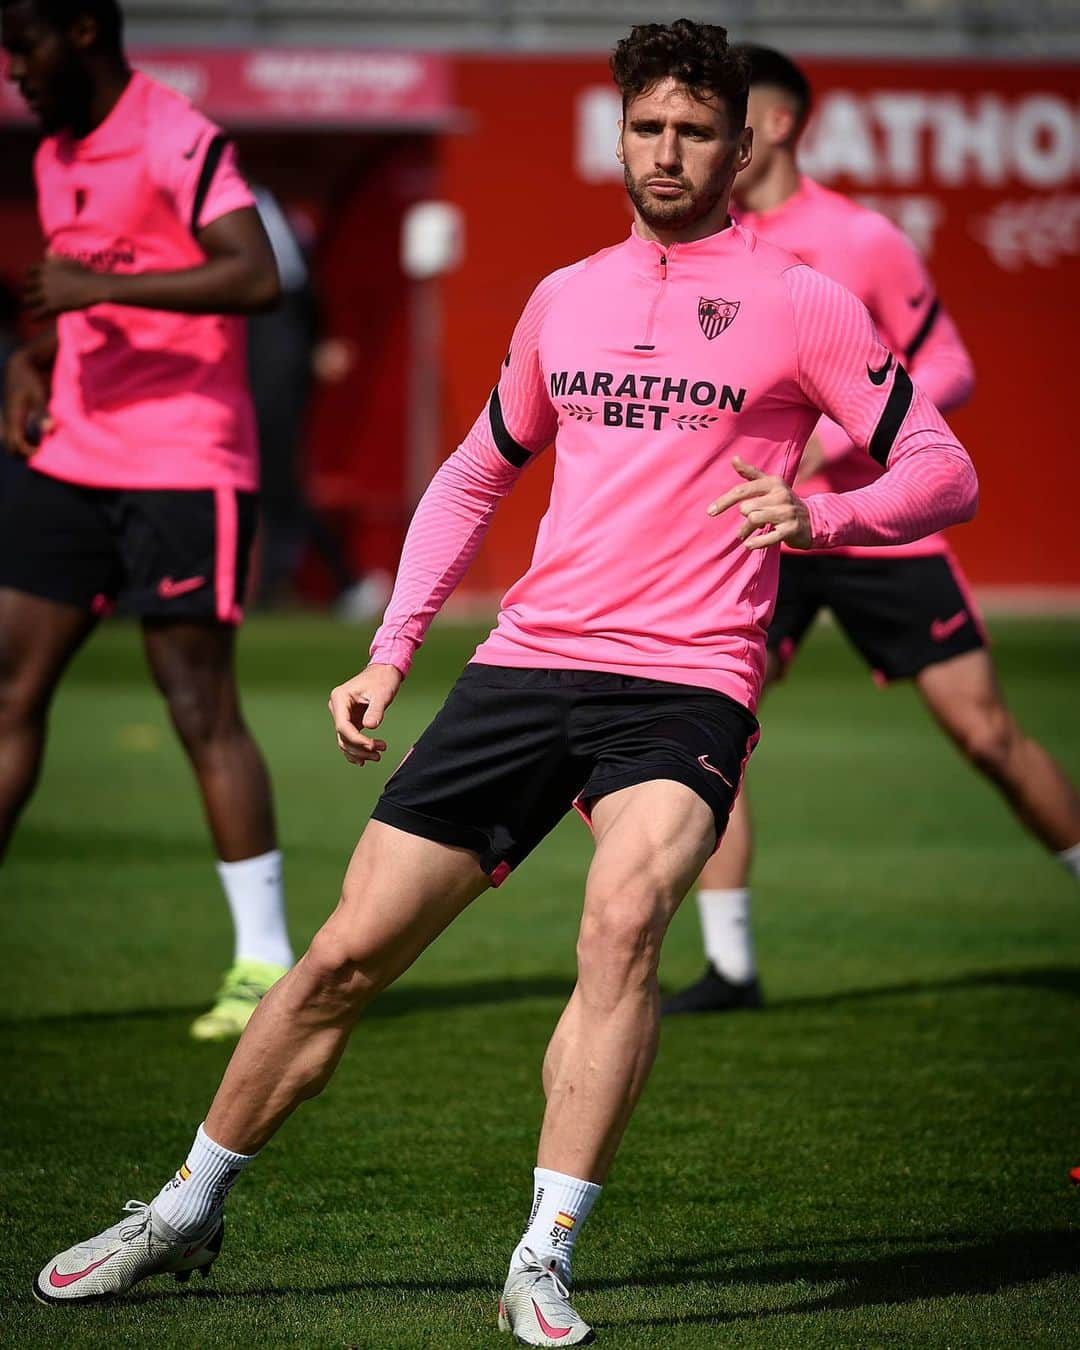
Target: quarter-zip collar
{"x": 648, "y": 253}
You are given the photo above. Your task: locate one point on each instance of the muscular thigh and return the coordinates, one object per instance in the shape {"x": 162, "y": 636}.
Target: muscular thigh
{"x": 652, "y": 840}
{"x": 964, "y": 696}
{"x": 193, "y": 664}
{"x": 37, "y": 639}
{"x": 400, "y": 891}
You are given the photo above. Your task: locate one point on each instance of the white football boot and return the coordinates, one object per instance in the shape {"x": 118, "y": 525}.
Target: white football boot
{"x": 535, "y": 1306}
{"x": 124, "y": 1254}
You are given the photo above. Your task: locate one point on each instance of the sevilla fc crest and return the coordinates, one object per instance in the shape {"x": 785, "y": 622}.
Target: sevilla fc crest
{"x": 716, "y": 315}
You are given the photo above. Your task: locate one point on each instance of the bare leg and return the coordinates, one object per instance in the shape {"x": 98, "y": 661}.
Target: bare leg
{"x": 729, "y": 867}
{"x": 38, "y": 638}
{"x": 194, "y": 667}
{"x": 651, "y": 841}
{"x": 965, "y": 698}
{"x": 400, "y": 892}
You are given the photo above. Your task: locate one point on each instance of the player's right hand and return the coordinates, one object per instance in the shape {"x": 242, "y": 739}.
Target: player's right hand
{"x": 26, "y": 403}
{"x": 357, "y": 707}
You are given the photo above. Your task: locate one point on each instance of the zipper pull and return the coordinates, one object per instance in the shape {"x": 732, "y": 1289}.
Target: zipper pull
{"x": 663, "y": 267}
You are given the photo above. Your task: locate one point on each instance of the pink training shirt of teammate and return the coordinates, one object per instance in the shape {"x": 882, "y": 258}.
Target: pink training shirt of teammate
{"x": 144, "y": 398}
{"x": 722, "y": 347}
{"x": 875, "y": 260}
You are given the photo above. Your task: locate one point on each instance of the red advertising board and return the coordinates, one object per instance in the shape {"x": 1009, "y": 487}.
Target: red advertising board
{"x": 264, "y": 86}
{"x": 978, "y": 163}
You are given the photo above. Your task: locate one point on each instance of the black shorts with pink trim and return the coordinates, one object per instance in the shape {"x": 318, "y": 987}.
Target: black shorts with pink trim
{"x": 901, "y": 614}
{"x": 511, "y": 751}
{"x": 172, "y": 554}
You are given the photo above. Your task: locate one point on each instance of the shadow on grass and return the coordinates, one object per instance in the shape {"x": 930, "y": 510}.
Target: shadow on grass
{"x": 932, "y": 1270}
{"x": 395, "y": 1002}
{"x": 420, "y": 998}
{"x": 1057, "y": 979}
{"x": 942, "y": 1265}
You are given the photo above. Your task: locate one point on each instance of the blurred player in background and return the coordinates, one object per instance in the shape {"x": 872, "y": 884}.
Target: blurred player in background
{"x": 907, "y": 609}
{"x": 622, "y": 673}
{"x": 284, "y": 354}
{"x": 133, "y": 412}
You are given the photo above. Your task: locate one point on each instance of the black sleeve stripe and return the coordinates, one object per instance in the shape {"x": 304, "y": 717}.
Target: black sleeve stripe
{"x": 214, "y": 151}
{"x": 510, "y": 450}
{"x": 924, "y": 330}
{"x": 896, "y": 409}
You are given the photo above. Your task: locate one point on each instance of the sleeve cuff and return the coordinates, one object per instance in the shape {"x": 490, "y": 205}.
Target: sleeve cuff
{"x": 394, "y": 653}
{"x": 826, "y": 520}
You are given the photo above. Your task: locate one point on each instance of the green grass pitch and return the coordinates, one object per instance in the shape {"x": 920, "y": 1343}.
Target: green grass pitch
{"x": 877, "y": 1159}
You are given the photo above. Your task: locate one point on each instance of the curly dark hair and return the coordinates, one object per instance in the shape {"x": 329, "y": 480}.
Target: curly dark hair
{"x": 695, "y": 54}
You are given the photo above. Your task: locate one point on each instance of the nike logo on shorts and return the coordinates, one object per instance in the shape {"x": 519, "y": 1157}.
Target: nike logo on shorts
{"x": 703, "y": 760}
{"x": 169, "y": 589}
{"x": 943, "y": 629}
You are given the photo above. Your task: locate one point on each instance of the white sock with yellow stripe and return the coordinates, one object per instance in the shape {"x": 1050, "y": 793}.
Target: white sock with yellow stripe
{"x": 196, "y": 1194}
{"x": 561, "y": 1204}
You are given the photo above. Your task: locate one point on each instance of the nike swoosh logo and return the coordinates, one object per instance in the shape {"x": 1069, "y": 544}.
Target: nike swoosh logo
{"x": 169, "y": 589}
{"x": 943, "y": 629}
{"x": 556, "y": 1333}
{"x": 190, "y": 154}
{"x": 703, "y": 760}
{"x": 59, "y": 1281}
{"x": 878, "y": 376}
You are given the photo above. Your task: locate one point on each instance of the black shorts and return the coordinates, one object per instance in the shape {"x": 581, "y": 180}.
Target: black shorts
{"x": 511, "y": 751}
{"x": 902, "y": 614}
{"x": 163, "y": 554}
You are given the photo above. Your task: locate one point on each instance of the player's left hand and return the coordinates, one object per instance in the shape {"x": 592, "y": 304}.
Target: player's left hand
{"x": 59, "y": 285}
{"x": 773, "y": 513}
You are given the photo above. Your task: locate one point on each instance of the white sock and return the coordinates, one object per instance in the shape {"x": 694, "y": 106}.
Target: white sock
{"x": 196, "y": 1194}
{"x": 725, "y": 926}
{"x": 1070, "y": 860}
{"x": 255, "y": 890}
{"x": 561, "y": 1204}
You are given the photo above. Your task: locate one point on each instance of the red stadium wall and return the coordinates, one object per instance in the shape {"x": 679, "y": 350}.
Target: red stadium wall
{"x": 978, "y": 162}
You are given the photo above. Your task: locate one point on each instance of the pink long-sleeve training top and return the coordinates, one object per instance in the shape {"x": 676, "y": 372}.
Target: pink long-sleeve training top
{"x": 651, "y": 368}
{"x": 869, "y": 255}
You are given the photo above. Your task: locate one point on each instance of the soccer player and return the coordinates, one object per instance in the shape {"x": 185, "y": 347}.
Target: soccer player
{"x": 679, "y": 374}
{"x": 132, "y": 410}
{"x": 906, "y": 608}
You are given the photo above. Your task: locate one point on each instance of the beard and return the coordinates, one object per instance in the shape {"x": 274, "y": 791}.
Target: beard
{"x": 677, "y": 213}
